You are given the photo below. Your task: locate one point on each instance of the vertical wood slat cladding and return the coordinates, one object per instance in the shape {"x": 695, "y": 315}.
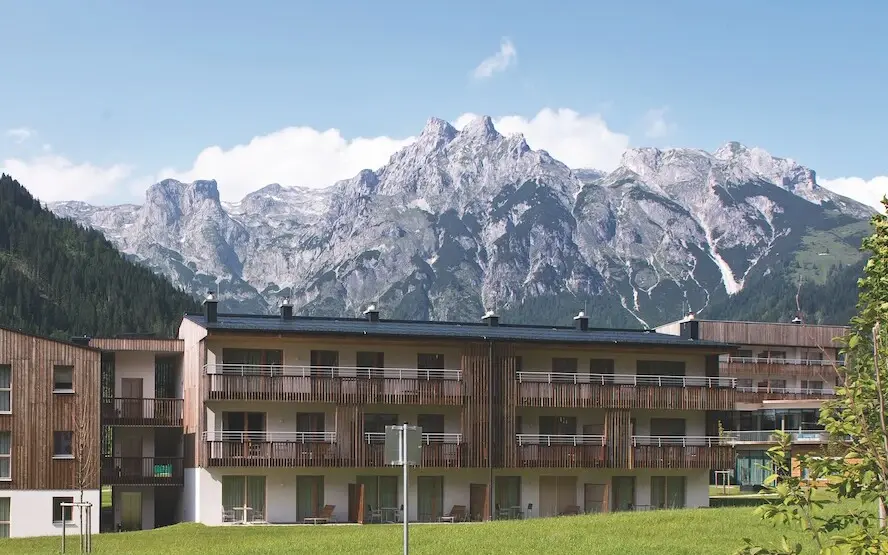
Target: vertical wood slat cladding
{"x": 37, "y": 412}
{"x": 618, "y": 438}
{"x": 715, "y": 457}
{"x": 760, "y": 333}
{"x": 148, "y": 344}
{"x": 507, "y": 367}
{"x": 193, "y": 360}
{"x": 476, "y": 374}
{"x": 735, "y": 367}
{"x": 588, "y": 395}
{"x": 322, "y": 389}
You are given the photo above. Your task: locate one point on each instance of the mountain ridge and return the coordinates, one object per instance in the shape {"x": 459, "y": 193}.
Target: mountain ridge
{"x": 460, "y": 221}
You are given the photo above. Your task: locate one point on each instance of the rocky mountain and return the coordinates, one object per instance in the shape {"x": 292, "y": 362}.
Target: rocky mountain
{"x": 461, "y": 221}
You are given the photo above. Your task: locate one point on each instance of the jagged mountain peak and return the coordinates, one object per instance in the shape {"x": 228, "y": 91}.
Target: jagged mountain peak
{"x": 460, "y": 219}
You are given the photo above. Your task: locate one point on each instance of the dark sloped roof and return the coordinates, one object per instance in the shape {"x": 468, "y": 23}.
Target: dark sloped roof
{"x": 447, "y": 330}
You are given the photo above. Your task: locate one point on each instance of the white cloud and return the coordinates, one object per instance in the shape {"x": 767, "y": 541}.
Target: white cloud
{"x": 862, "y": 190}
{"x": 302, "y": 156}
{"x": 51, "y": 178}
{"x": 580, "y": 141}
{"x": 506, "y": 56}
{"x": 20, "y": 134}
{"x": 294, "y": 156}
{"x": 655, "y": 124}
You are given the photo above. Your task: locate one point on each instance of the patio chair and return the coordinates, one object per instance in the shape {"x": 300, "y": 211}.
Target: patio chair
{"x": 457, "y": 514}
{"x": 374, "y": 515}
{"x": 258, "y": 517}
{"x": 570, "y": 510}
{"x": 326, "y": 516}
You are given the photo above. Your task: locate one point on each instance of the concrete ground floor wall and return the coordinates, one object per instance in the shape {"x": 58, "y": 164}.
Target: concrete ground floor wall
{"x": 203, "y": 497}
{"x": 31, "y": 512}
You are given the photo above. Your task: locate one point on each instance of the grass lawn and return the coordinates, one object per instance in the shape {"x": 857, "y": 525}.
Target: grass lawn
{"x": 682, "y": 532}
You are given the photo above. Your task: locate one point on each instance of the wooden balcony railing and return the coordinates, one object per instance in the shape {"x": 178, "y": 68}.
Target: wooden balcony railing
{"x": 570, "y": 390}
{"x": 122, "y": 411}
{"x": 438, "y": 450}
{"x": 756, "y": 394}
{"x": 763, "y": 365}
{"x": 714, "y": 453}
{"x": 142, "y": 471}
{"x": 335, "y": 385}
{"x": 561, "y": 451}
{"x": 273, "y": 449}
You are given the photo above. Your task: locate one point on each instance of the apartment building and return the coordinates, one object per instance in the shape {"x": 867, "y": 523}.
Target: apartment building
{"x": 141, "y": 441}
{"x": 49, "y": 433}
{"x": 784, "y": 373}
{"x": 285, "y": 415}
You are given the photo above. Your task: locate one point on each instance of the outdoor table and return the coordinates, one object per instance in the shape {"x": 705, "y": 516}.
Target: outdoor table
{"x": 244, "y": 509}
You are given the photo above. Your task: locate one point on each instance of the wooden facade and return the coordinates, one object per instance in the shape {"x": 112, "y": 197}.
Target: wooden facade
{"x": 145, "y": 344}
{"x": 764, "y": 367}
{"x": 339, "y": 390}
{"x": 591, "y": 395}
{"x": 761, "y": 333}
{"x": 490, "y": 396}
{"x": 37, "y": 413}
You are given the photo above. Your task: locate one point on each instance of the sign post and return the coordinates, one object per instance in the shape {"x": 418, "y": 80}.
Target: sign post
{"x": 403, "y": 446}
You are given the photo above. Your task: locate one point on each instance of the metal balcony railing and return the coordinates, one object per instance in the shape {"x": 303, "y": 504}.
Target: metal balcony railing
{"x": 625, "y": 379}
{"x": 275, "y": 370}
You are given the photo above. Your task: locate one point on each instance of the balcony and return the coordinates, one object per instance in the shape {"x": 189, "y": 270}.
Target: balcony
{"x": 769, "y": 436}
{"x": 561, "y": 451}
{"x": 402, "y": 386}
{"x": 763, "y": 365}
{"x": 438, "y": 450}
{"x": 569, "y": 390}
{"x": 142, "y": 471}
{"x": 122, "y": 411}
{"x": 682, "y": 452}
{"x": 757, "y": 394}
{"x": 272, "y": 449}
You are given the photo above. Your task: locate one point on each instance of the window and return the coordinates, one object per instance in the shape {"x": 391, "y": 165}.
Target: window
{"x": 62, "y": 379}
{"x": 60, "y": 513}
{"x": 325, "y": 362}
{"x": 375, "y": 423}
{"x": 4, "y": 517}
{"x": 370, "y": 364}
{"x": 744, "y": 353}
{"x": 5, "y": 388}
{"x": 5, "y": 455}
{"x": 601, "y": 366}
{"x": 812, "y": 385}
{"x": 239, "y": 492}
{"x": 564, "y": 369}
{"x": 431, "y": 423}
{"x": 430, "y": 361}
{"x": 667, "y": 492}
{"x": 63, "y": 445}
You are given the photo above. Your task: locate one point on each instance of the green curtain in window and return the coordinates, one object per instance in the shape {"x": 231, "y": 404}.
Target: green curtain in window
{"x": 371, "y": 492}
{"x": 232, "y": 492}
{"x": 508, "y": 491}
{"x": 388, "y": 492}
{"x": 256, "y": 495}
{"x": 4, "y": 517}
{"x": 658, "y": 492}
{"x": 675, "y": 492}
{"x": 430, "y": 498}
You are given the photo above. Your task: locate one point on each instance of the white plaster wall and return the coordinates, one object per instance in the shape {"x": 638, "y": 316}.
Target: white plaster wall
{"x": 281, "y": 488}
{"x": 147, "y": 505}
{"x": 134, "y": 364}
{"x": 31, "y": 512}
{"x": 190, "y": 494}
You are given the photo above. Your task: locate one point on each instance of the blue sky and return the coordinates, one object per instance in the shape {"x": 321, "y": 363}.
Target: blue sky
{"x": 99, "y": 98}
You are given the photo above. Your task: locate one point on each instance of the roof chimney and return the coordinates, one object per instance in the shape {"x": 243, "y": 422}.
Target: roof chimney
{"x": 796, "y": 320}
{"x": 690, "y": 315}
{"x": 581, "y": 321}
{"x": 286, "y": 309}
{"x": 82, "y": 340}
{"x": 371, "y": 314}
{"x": 210, "y": 306}
{"x": 491, "y": 318}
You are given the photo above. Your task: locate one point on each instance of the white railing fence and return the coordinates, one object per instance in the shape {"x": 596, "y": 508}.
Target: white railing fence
{"x": 263, "y": 437}
{"x": 625, "y": 379}
{"x": 379, "y": 437}
{"x": 275, "y": 370}
{"x": 557, "y": 439}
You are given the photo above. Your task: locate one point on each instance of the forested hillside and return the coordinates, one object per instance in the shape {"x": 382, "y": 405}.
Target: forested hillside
{"x": 58, "y": 278}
